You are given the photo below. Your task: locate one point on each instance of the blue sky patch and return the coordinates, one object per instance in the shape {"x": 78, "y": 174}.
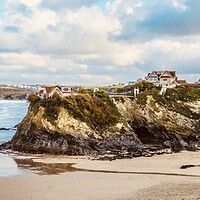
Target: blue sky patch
{"x": 12, "y": 29}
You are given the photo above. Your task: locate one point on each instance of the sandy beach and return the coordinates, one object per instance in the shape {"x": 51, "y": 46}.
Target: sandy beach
{"x": 158, "y": 177}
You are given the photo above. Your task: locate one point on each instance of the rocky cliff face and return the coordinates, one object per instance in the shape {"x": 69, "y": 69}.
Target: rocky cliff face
{"x": 136, "y": 130}
{"x": 71, "y": 136}
{"x": 155, "y": 125}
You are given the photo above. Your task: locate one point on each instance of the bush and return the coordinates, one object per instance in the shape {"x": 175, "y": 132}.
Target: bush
{"x": 142, "y": 98}
{"x": 33, "y": 99}
{"x": 97, "y": 111}
{"x": 143, "y": 86}
{"x": 184, "y": 94}
{"x": 174, "y": 97}
{"x": 51, "y": 106}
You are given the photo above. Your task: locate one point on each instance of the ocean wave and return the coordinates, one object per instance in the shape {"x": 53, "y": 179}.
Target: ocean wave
{"x": 13, "y": 101}
{"x": 11, "y": 113}
{"x": 4, "y": 112}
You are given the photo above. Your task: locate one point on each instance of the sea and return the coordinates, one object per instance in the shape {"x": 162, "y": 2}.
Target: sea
{"x": 11, "y": 114}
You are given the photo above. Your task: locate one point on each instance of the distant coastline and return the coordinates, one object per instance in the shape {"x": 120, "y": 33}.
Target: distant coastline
{"x": 13, "y": 93}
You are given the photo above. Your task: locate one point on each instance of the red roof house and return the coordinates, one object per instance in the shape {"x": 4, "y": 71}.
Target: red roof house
{"x": 61, "y": 91}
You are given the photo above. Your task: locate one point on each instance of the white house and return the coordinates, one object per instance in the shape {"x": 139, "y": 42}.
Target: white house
{"x": 165, "y": 79}
{"x": 59, "y": 90}
{"x": 162, "y": 78}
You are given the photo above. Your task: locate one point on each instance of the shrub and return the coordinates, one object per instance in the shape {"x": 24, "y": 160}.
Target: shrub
{"x": 174, "y": 97}
{"x": 142, "y": 98}
{"x": 33, "y": 98}
{"x": 143, "y": 86}
{"x": 184, "y": 94}
{"x": 51, "y": 106}
{"x": 97, "y": 111}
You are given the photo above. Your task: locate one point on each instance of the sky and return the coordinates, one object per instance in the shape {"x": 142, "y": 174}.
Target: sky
{"x": 97, "y": 42}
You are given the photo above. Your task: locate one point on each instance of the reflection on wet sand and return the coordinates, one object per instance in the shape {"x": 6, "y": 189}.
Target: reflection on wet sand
{"x": 58, "y": 168}
{"x": 44, "y": 168}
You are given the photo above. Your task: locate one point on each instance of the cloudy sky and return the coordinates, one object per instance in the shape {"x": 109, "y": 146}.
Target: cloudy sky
{"x": 97, "y": 42}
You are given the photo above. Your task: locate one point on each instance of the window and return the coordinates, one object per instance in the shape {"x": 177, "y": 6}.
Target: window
{"x": 66, "y": 89}
{"x": 153, "y": 79}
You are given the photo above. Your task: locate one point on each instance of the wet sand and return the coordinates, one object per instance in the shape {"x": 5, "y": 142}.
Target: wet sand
{"x": 158, "y": 177}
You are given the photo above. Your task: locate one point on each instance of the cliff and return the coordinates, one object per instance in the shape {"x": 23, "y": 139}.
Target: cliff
{"x": 75, "y": 125}
{"x": 156, "y": 125}
{"x": 13, "y": 93}
{"x": 95, "y": 124}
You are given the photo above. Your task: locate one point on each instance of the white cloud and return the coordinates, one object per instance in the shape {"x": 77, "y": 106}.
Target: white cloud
{"x": 113, "y": 6}
{"x": 84, "y": 18}
{"x": 96, "y": 79}
{"x": 179, "y": 4}
{"x": 121, "y": 54}
{"x": 82, "y": 42}
{"x": 191, "y": 78}
{"x": 120, "y": 7}
{"x": 31, "y": 3}
{"x": 23, "y": 59}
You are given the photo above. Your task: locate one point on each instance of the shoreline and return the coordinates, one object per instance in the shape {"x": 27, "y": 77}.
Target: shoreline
{"x": 157, "y": 163}
{"x": 94, "y": 183}
{"x": 13, "y": 100}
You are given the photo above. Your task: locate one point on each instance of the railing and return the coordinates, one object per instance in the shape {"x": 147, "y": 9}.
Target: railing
{"x": 121, "y": 95}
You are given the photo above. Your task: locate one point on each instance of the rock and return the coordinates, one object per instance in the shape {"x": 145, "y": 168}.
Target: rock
{"x": 4, "y": 129}
{"x": 184, "y": 144}
{"x": 188, "y": 166}
{"x": 167, "y": 144}
{"x": 139, "y": 133}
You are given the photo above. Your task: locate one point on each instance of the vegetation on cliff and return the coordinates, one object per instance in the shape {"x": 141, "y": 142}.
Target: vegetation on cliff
{"x": 97, "y": 110}
{"x": 143, "y": 86}
{"x": 175, "y": 99}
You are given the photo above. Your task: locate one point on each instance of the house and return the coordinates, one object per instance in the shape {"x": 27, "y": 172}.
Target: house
{"x": 165, "y": 79}
{"x": 197, "y": 82}
{"x": 162, "y": 78}
{"x": 47, "y": 92}
{"x": 181, "y": 82}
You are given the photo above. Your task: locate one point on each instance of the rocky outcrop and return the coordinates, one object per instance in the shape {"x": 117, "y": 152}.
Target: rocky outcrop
{"x": 4, "y": 129}
{"x": 155, "y": 125}
{"x": 142, "y": 130}
{"x": 70, "y": 136}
